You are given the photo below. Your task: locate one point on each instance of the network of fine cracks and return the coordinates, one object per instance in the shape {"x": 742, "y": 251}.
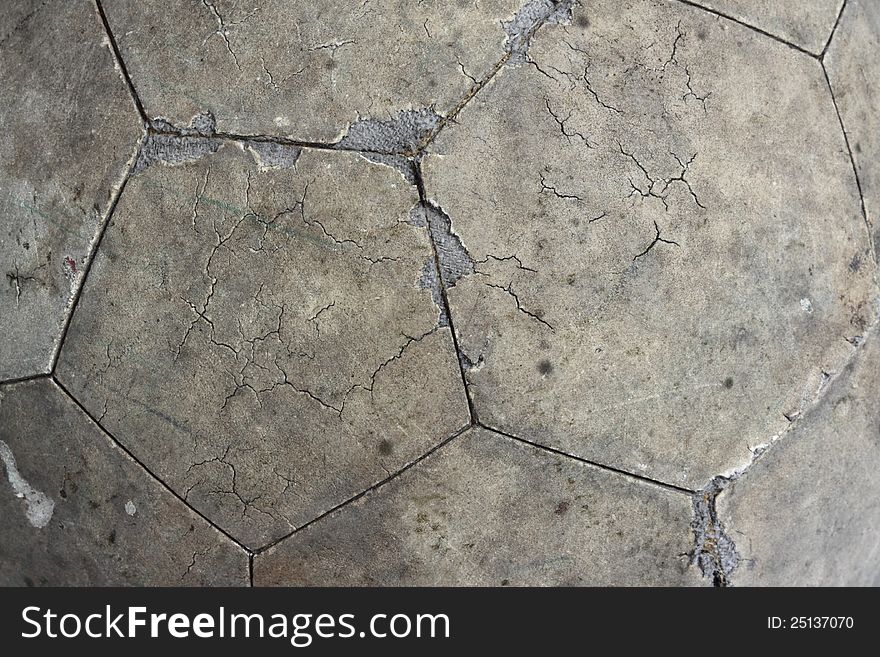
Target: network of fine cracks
{"x": 714, "y": 552}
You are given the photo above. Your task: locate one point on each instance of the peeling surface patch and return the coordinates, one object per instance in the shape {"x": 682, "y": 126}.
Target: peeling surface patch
{"x": 402, "y": 135}
{"x": 273, "y": 155}
{"x": 455, "y": 261}
{"x": 167, "y": 144}
{"x": 532, "y": 15}
{"x": 39, "y": 505}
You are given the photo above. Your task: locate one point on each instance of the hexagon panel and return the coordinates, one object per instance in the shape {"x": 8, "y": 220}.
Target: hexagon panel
{"x": 486, "y": 510}
{"x": 646, "y": 287}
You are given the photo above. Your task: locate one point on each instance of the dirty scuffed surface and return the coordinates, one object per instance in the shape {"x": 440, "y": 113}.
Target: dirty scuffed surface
{"x": 485, "y": 510}
{"x": 806, "y": 512}
{"x": 805, "y": 23}
{"x": 89, "y": 515}
{"x": 508, "y": 292}
{"x": 306, "y": 69}
{"x": 852, "y": 62}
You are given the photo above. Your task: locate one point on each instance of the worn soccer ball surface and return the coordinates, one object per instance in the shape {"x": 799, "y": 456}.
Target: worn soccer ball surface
{"x": 510, "y": 292}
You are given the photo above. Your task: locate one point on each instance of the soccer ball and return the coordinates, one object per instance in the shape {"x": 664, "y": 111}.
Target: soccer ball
{"x": 537, "y": 292}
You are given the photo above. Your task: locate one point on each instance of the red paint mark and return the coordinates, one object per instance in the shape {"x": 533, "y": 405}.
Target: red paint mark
{"x": 70, "y": 263}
